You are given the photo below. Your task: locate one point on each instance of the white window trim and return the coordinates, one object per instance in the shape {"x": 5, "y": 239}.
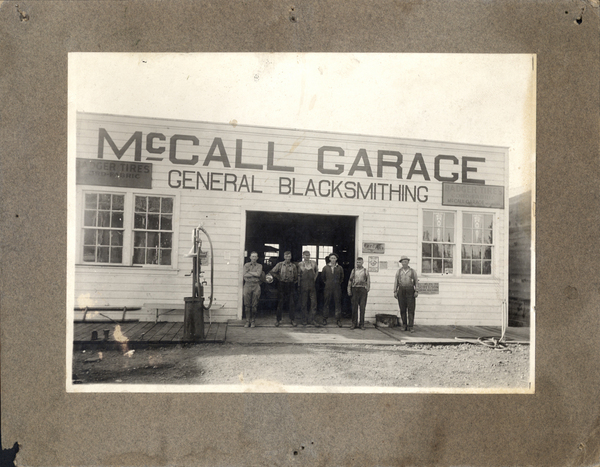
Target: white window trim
{"x": 128, "y": 224}
{"x": 174, "y": 246}
{"x": 457, "y": 254}
{"x": 81, "y": 192}
{"x": 420, "y": 245}
{"x": 493, "y": 244}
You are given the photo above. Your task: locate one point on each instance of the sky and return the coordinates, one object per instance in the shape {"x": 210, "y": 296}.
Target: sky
{"x": 484, "y": 99}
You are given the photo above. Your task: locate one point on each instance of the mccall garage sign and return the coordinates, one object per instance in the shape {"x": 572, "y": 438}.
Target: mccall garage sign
{"x": 461, "y": 187}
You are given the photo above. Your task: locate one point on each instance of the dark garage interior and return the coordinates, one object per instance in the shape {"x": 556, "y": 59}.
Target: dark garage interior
{"x": 270, "y": 234}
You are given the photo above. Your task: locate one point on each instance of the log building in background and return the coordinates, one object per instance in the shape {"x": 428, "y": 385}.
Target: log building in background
{"x": 519, "y": 267}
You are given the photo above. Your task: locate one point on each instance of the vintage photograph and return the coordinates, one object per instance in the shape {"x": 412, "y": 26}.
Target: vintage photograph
{"x": 301, "y": 222}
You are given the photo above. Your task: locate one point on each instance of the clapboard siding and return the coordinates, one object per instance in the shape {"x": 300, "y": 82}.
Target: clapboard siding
{"x": 128, "y": 291}
{"x": 286, "y": 138}
{"x": 490, "y": 312}
{"x": 482, "y": 293}
{"x": 303, "y": 160}
{"x": 221, "y": 211}
{"x": 472, "y": 320}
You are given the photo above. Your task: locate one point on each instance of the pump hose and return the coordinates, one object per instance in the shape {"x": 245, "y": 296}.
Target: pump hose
{"x": 212, "y": 266}
{"x": 491, "y": 342}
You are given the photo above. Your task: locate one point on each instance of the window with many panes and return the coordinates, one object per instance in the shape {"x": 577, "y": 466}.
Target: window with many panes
{"x": 271, "y": 251}
{"x": 153, "y": 230}
{"x": 437, "y": 245}
{"x": 319, "y": 253}
{"x": 103, "y": 228}
{"x": 477, "y": 242}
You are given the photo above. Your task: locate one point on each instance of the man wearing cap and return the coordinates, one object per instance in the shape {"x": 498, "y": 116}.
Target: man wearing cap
{"x": 333, "y": 276}
{"x": 287, "y": 275}
{"x": 405, "y": 290}
{"x": 307, "y": 276}
{"x": 358, "y": 288}
{"x": 253, "y": 273}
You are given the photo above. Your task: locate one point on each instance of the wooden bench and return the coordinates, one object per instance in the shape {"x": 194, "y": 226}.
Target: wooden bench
{"x": 105, "y": 312}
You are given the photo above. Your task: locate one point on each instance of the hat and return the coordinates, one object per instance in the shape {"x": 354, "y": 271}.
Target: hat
{"x": 404, "y": 258}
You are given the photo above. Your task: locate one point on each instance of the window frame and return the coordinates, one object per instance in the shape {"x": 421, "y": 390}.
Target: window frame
{"x": 457, "y": 273}
{"x": 128, "y": 227}
{"x": 97, "y": 228}
{"x": 441, "y": 243}
{"x": 491, "y": 245}
{"x": 316, "y": 253}
{"x": 146, "y": 230}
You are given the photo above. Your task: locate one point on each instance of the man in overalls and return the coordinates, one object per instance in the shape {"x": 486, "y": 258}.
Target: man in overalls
{"x": 307, "y": 276}
{"x": 358, "y": 288}
{"x": 405, "y": 290}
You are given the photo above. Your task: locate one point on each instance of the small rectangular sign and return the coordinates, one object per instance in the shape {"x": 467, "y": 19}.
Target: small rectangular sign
{"x": 470, "y": 195}
{"x": 100, "y": 172}
{"x": 373, "y": 247}
{"x": 429, "y": 288}
{"x": 373, "y": 263}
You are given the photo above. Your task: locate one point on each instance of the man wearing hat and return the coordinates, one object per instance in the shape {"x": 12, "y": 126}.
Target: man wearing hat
{"x": 405, "y": 290}
{"x": 333, "y": 276}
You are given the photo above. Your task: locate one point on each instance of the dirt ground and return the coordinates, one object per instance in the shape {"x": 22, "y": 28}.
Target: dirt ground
{"x": 405, "y": 366}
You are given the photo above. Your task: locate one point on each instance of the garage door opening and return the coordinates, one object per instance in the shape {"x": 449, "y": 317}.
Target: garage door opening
{"x": 270, "y": 234}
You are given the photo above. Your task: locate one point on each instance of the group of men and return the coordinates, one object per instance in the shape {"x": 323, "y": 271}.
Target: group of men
{"x": 304, "y": 275}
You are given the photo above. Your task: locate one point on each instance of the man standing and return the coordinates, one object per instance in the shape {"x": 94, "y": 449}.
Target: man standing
{"x": 307, "y": 276}
{"x": 287, "y": 275}
{"x": 405, "y": 290}
{"x": 358, "y": 288}
{"x": 333, "y": 276}
{"x": 252, "y": 275}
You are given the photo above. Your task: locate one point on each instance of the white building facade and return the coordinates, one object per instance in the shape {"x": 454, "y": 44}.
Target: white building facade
{"x": 144, "y": 184}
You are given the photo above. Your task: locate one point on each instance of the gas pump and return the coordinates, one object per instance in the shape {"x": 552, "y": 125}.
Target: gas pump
{"x": 193, "y": 321}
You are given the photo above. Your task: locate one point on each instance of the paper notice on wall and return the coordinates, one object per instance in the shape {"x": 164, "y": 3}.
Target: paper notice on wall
{"x": 373, "y": 263}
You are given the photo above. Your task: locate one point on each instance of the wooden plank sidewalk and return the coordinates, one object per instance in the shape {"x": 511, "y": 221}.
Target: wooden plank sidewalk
{"x": 140, "y": 334}
{"x": 167, "y": 333}
{"x": 445, "y": 334}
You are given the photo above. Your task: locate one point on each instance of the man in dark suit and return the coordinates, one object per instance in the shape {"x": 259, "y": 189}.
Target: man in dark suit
{"x": 333, "y": 276}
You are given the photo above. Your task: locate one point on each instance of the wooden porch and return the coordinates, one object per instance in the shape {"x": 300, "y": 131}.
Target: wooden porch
{"x": 139, "y": 334}
{"x": 144, "y": 334}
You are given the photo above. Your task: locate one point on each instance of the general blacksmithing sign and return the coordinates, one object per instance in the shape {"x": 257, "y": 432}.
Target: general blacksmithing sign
{"x": 114, "y": 173}
{"x": 473, "y": 195}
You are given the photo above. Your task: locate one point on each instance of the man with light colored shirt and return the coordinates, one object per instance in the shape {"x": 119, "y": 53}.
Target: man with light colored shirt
{"x": 307, "y": 276}
{"x": 358, "y": 288}
{"x": 333, "y": 276}
{"x": 405, "y": 290}
{"x": 287, "y": 275}
{"x": 252, "y": 276}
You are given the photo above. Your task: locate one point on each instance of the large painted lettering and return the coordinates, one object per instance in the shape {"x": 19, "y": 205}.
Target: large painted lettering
{"x": 386, "y": 164}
